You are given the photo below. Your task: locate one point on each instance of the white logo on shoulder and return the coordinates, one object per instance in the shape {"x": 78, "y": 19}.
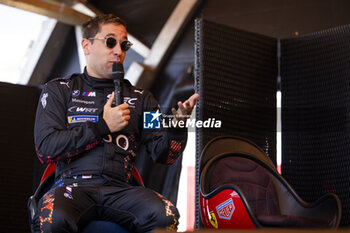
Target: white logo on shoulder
{"x": 43, "y": 99}
{"x": 65, "y": 83}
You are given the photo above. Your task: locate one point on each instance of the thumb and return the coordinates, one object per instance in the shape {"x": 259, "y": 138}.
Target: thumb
{"x": 110, "y": 100}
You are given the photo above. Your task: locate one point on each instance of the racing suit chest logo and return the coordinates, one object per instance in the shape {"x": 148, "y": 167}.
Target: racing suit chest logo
{"x": 129, "y": 100}
{"x": 89, "y": 93}
{"x": 76, "y": 93}
{"x": 78, "y": 109}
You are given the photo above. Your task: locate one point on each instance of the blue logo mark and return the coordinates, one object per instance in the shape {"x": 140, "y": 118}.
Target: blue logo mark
{"x": 75, "y": 93}
{"x": 151, "y": 120}
{"x": 78, "y": 119}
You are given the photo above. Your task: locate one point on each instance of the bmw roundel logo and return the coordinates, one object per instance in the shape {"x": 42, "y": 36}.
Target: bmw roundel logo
{"x": 75, "y": 92}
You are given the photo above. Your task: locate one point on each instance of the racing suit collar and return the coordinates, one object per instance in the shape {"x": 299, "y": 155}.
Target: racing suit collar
{"x": 100, "y": 83}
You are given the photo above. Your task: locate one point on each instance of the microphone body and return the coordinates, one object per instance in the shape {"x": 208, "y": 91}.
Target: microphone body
{"x": 118, "y": 77}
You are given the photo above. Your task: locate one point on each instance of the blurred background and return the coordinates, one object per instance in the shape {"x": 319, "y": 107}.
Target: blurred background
{"x": 40, "y": 40}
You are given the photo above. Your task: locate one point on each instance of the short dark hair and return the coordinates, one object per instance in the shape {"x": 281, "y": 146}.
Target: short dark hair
{"x": 92, "y": 27}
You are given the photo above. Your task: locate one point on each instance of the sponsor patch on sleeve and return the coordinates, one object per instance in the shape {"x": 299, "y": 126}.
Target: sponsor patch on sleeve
{"x": 79, "y": 119}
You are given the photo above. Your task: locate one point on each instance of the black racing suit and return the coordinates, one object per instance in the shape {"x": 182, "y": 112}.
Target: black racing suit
{"x": 70, "y": 131}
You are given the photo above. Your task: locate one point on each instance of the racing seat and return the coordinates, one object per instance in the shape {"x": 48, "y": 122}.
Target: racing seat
{"x": 240, "y": 188}
{"x": 47, "y": 181}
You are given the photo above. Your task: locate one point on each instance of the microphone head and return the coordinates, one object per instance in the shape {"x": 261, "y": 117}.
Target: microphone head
{"x": 117, "y": 71}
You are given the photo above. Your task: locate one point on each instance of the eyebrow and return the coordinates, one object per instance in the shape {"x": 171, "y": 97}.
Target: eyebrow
{"x": 112, "y": 34}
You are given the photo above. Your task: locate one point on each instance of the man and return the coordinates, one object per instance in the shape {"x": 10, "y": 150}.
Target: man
{"x": 94, "y": 144}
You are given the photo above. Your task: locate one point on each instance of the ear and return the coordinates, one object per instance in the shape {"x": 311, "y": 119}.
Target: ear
{"x": 85, "y": 44}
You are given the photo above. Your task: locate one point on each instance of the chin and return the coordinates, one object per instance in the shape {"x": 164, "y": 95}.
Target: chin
{"x": 107, "y": 74}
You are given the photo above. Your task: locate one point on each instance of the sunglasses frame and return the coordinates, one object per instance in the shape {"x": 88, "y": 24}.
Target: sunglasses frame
{"x": 120, "y": 42}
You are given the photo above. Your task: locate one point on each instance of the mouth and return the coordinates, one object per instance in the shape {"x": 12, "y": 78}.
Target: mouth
{"x": 114, "y": 61}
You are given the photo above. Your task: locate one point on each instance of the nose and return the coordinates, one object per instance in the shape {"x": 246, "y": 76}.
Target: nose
{"x": 117, "y": 49}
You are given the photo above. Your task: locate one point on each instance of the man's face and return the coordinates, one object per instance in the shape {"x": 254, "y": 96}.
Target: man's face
{"x": 99, "y": 57}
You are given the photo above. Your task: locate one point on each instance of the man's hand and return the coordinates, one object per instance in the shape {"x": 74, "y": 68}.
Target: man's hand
{"x": 116, "y": 118}
{"x": 185, "y": 109}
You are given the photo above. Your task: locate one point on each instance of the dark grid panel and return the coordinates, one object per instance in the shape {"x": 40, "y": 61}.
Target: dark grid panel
{"x": 315, "y": 72}
{"x": 236, "y": 73}
{"x": 17, "y": 152}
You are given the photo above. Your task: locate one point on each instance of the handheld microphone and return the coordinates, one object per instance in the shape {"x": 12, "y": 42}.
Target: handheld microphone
{"x": 118, "y": 77}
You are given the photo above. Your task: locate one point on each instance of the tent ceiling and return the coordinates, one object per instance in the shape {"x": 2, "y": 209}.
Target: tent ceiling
{"x": 145, "y": 18}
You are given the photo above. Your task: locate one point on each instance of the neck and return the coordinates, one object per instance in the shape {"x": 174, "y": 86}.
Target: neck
{"x": 93, "y": 74}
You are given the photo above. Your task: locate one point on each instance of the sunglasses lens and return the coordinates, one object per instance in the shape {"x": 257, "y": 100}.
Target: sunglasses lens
{"x": 125, "y": 45}
{"x": 111, "y": 42}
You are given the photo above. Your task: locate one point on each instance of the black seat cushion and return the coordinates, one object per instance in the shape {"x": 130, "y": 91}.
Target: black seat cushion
{"x": 251, "y": 179}
{"x": 259, "y": 191}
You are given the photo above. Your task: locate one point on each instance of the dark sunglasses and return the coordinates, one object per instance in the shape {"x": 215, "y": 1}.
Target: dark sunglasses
{"x": 111, "y": 42}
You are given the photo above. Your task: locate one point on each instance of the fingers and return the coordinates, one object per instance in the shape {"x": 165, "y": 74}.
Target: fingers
{"x": 116, "y": 118}
{"x": 110, "y": 100}
{"x": 187, "y": 104}
{"x": 123, "y": 106}
{"x": 193, "y": 99}
{"x": 173, "y": 110}
{"x": 185, "y": 108}
{"x": 182, "y": 108}
{"x": 125, "y": 113}
{"x": 124, "y": 122}
{"x": 126, "y": 119}
{"x": 195, "y": 96}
